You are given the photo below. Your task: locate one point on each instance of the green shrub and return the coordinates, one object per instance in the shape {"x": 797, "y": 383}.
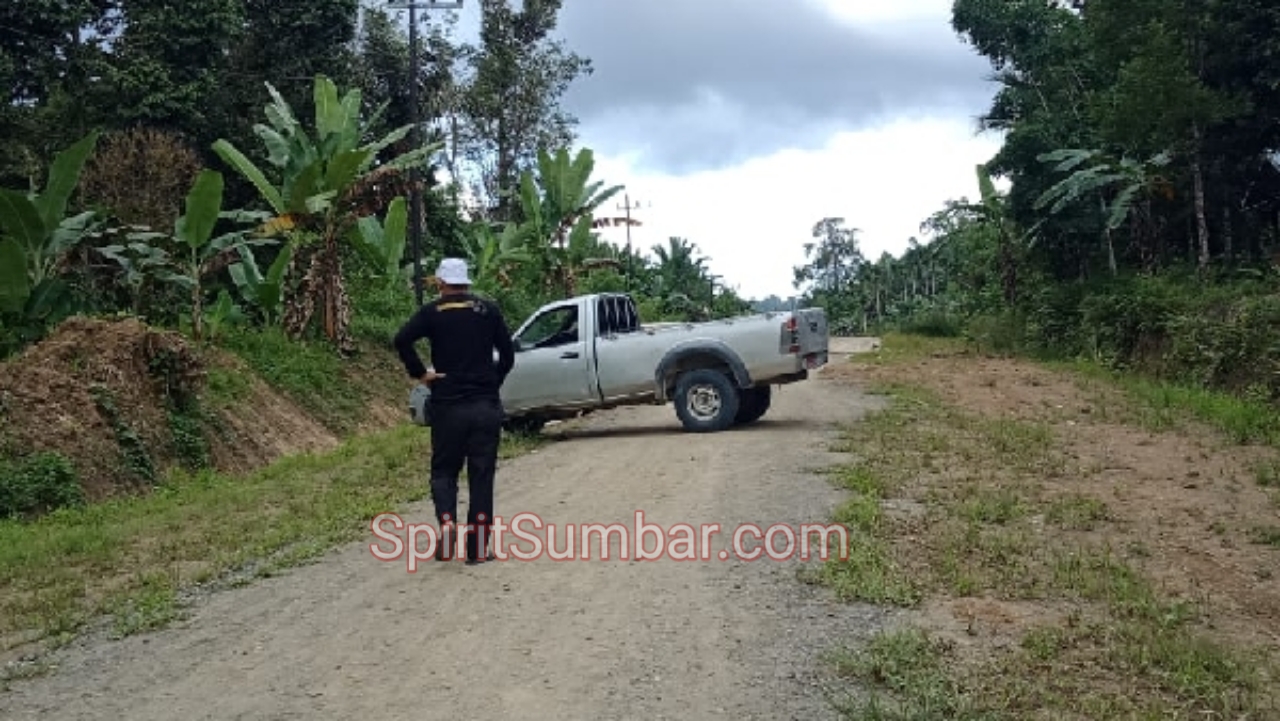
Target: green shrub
{"x": 379, "y": 309}
{"x": 934, "y": 324}
{"x": 1232, "y": 347}
{"x": 38, "y": 483}
{"x": 1000, "y": 333}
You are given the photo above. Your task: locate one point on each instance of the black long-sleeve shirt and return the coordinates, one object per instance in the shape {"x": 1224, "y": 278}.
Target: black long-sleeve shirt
{"x": 463, "y": 331}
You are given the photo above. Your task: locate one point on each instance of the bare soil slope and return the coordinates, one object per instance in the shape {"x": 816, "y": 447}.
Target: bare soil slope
{"x": 100, "y": 392}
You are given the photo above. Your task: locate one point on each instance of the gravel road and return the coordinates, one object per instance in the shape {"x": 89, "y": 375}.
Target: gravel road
{"x": 353, "y": 637}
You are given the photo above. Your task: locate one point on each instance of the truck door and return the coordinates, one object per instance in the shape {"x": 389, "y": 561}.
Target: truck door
{"x": 622, "y": 366}
{"x": 552, "y": 367}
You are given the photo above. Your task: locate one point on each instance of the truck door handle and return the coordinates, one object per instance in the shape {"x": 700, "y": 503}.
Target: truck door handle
{"x": 569, "y": 354}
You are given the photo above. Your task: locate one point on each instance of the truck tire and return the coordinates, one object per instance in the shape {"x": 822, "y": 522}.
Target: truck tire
{"x": 755, "y": 403}
{"x": 706, "y": 401}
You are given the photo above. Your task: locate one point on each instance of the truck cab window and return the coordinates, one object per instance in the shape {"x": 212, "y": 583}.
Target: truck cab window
{"x": 617, "y": 315}
{"x": 556, "y": 327}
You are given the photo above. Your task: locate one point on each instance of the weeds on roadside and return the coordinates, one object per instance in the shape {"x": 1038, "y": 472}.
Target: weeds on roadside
{"x": 992, "y": 524}
{"x": 132, "y": 557}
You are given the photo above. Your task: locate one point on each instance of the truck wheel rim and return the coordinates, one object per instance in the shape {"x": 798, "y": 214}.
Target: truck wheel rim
{"x": 704, "y": 402}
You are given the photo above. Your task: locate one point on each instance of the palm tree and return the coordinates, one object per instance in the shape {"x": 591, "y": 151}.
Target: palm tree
{"x": 680, "y": 272}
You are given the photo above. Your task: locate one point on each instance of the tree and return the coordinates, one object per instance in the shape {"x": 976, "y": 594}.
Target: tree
{"x": 36, "y": 235}
{"x": 169, "y": 59}
{"x": 140, "y": 175}
{"x": 680, "y": 272}
{"x": 509, "y": 103}
{"x": 51, "y": 54}
{"x": 833, "y": 261}
{"x": 1119, "y": 186}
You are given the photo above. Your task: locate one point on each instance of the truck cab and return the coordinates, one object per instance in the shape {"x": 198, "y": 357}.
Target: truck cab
{"x": 558, "y": 354}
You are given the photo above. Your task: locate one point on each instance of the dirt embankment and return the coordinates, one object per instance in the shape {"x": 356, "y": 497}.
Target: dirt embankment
{"x": 124, "y": 403}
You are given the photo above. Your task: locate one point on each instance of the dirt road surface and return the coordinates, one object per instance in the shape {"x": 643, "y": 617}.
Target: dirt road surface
{"x": 353, "y": 637}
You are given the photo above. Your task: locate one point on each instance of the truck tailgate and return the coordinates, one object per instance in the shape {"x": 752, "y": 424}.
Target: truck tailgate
{"x": 804, "y": 336}
{"x": 811, "y": 330}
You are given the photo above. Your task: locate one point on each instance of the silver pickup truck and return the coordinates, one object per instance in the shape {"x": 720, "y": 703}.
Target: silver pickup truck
{"x": 591, "y": 352}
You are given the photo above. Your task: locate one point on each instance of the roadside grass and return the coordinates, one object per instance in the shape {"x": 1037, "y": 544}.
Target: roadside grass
{"x": 133, "y": 558}
{"x": 1161, "y": 405}
{"x": 308, "y": 372}
{"x": 948, "y": 506}
{"x": 1154, "y": 404}
{"x": 896, "y": 347}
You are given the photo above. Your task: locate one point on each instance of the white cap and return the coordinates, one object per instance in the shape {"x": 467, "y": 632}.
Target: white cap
{"x": 453, "y": 271}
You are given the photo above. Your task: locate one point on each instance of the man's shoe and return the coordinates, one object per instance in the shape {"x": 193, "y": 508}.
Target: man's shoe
{"x": 472, "y": 561}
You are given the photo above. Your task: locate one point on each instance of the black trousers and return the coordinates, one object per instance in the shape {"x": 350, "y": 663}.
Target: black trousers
{"x": 466, "y": 431}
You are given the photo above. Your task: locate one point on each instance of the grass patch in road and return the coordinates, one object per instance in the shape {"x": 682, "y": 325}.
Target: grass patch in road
{"x": 1154, "y": 404}
{"x": 1266, "y": 535}
{"x": 1065, "y": 626}
{"x": 1083, "y": 670}
{"x": 132, "y": 557}
{"x": 913, "y": 668}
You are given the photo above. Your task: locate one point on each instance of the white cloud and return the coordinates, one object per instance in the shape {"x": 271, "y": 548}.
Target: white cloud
{"x": 878, "y": 11}
{"x": 753, "y": 220}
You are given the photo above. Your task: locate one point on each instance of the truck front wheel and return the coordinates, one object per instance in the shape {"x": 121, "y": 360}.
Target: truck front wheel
{"x": 706, "y": 401}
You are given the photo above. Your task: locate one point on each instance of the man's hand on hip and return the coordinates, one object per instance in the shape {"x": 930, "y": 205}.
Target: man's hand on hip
{"x": 429, "y": 376}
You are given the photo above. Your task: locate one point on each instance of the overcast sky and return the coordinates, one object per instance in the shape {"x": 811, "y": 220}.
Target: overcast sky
{"x": 739, "y": 124}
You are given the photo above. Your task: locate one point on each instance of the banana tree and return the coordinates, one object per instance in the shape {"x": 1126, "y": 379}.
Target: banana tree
{"x": 36, "y": 235}
{"x": 1093, "y": 174}
{"x": 203, "y": 253}
{"x": 558, "y": 207}
{"x": 382, "y": 243}
{"x": 493, "y": 254}
{"x": 264, "y": 291}
{"x": 322, "y": 185}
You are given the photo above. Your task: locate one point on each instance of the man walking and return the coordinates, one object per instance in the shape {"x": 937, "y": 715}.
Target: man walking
{"x": 463, "y": 331}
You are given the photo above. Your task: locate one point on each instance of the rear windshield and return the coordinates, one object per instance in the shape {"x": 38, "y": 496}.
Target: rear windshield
{"x": 616, "y": 314}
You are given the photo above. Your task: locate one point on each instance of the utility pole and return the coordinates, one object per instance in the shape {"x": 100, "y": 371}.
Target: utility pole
{"x": 415, "y": 137}
{"x": 628, "y": 207}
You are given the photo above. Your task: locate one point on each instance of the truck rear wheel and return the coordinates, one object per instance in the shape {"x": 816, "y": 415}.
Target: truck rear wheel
{"x": 706, "y": 401}
{"x": 755, "y": 403}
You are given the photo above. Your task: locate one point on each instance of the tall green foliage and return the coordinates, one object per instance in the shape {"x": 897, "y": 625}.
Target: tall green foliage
{"x": 558, "y": 206}
{"x": 1141, "y": 222}
{"x": 324, "y": 182}
{"x": 36, "y": 234}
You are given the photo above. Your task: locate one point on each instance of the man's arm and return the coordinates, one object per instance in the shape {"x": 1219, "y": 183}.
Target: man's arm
{"x": 417, "y": 328}
{"x": 502, "y": 341}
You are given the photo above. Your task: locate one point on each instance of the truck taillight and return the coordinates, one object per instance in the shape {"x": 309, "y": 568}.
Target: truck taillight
{"x": 789, "y": 327}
